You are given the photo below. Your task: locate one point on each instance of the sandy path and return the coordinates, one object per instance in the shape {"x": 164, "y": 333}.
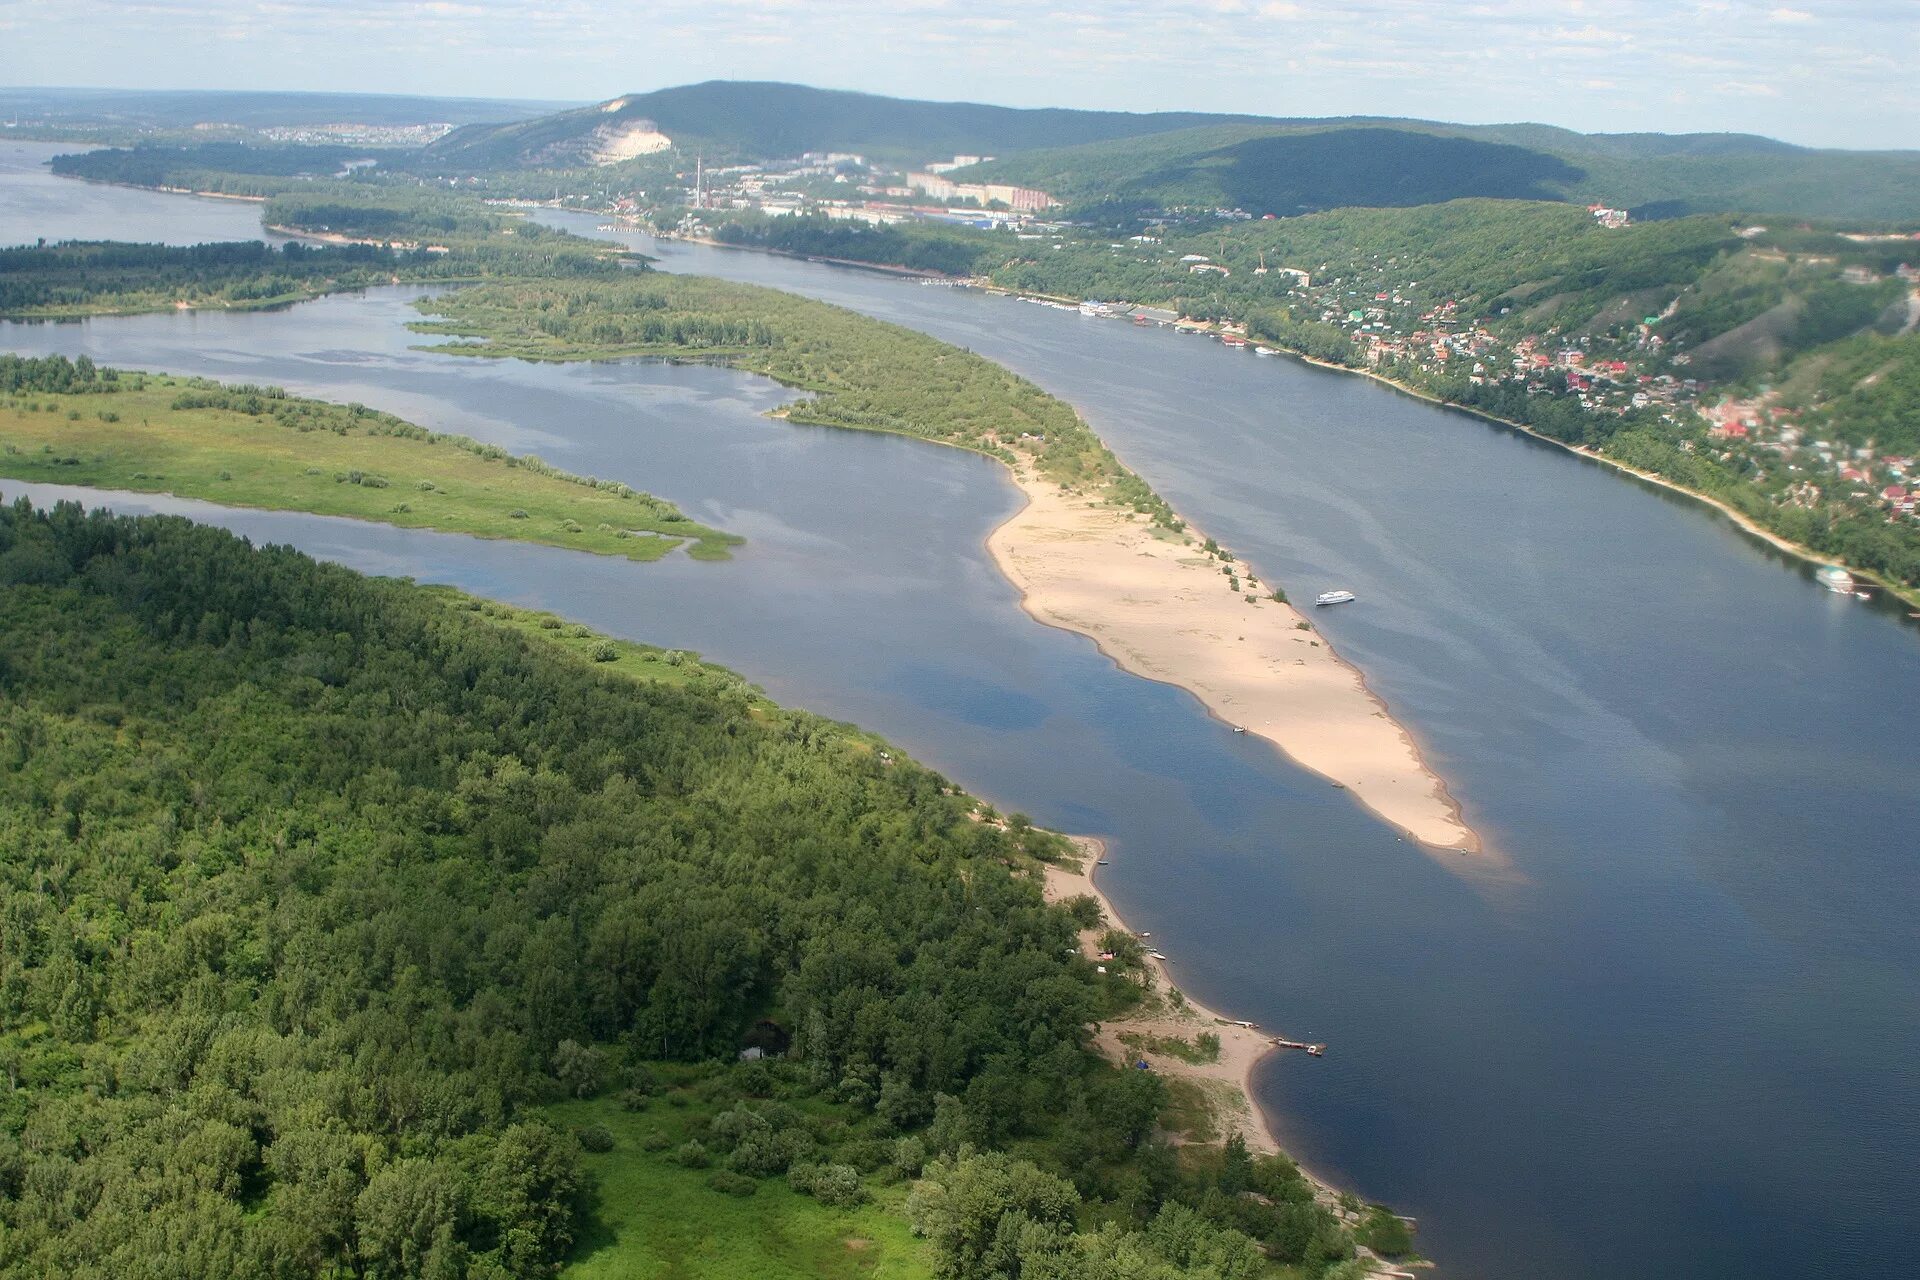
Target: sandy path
{"x": 1160, "y": 608}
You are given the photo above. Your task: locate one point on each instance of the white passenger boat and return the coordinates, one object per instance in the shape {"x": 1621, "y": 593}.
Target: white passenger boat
{"x": 1835, "y": 579}
{"x": 1334, "y": 597}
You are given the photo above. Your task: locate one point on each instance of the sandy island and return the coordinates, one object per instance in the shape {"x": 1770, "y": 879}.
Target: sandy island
{"x": 1161, "y": 608}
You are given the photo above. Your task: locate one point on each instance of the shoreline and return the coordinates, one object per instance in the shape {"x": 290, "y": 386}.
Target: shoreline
{"x": 1157, "y": 610}
{"x": 1740, "y": 519}
{"x": 1242, "y": 1048}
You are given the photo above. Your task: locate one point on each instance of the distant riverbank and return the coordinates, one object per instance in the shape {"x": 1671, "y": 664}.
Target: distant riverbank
{"x": 1740, "y": 518}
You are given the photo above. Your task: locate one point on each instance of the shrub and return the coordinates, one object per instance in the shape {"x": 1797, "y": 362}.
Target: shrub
{"x": 693, "y": 1155}
{"x": 732, "y": 1184}
{"x": 655, "y": 1140}
{"x": 1385, "y": 1234}
{"x": 596, "y": 1138}
{"x": 425, "y": 486}
{"x": 516, "y": 514}
{"x": 603, "y": 652}
{"x": 831, "y": 1184}
{"x": 910, "y": 1156}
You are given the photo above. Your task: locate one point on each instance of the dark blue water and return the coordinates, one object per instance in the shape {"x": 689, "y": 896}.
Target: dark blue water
{"x": 1674, "y": 1036}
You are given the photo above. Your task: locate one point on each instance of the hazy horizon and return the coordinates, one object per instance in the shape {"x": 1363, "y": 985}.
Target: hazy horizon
{"x": 1714, "y": 66}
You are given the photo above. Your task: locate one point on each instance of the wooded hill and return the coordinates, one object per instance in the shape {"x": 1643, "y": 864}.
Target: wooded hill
{"x": 1260, "y": 164}
{"x": 1286, "y": 168}
{"x": 764, "y": 120}
{"x": 321, "y": 889}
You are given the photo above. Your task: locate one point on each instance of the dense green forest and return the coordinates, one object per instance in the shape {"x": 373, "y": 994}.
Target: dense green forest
{"x": 383, "y": 213}
{"x": 1285, "y": 167}
{"x": 859, "y": 372}
{"x": 1262, "y": 171}
{"x": 324, "y": 891}
{"x": 916, "y": 247}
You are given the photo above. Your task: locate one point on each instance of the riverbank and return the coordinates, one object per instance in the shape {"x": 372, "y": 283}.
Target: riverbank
{"x": 1228, "y": 1080}
{"x": 1744, "y": 521}
{"x": 1160, "y": 608}
{"x": 1225, "y": 1084}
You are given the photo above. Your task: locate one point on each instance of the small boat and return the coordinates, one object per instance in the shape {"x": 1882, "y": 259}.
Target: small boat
{"x": 1334, "y": 597}
{"x": 1265, "y": 351}
{"x": 1157, "y": 955}
{"x": 1861, "y": 595}
{"x": 1834, "y": 579}
{"x": 1239, "y": 728}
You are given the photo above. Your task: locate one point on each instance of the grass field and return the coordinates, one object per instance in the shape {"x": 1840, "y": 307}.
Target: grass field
{"x": 654, "y": 1220}
{"x": 332, "y": 461}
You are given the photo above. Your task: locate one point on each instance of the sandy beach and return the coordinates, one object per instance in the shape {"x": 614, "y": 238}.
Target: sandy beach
{"x": 1161, "y": 608}
{"x": 1229, "y": 1079}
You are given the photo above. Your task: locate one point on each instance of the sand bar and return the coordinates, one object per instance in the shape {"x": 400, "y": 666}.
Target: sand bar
{"x": 1161, "y": 608}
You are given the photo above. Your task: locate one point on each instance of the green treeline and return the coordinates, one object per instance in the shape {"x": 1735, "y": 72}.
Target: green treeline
{"x": 77, "y": 278}
{"x": 86, "y": 278}
{"x": 383, "y": 213}
{"x": 918, "y": 248}
{"x": 319, "y": 888}
{"x": 860, "y": 373}
{"x": 230, "y": 168}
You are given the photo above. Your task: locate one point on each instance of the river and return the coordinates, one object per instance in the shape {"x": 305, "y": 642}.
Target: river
{"x": 1675, "y": 1036}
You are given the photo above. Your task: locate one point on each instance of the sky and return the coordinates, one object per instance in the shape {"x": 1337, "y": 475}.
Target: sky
{"x": 1818, "y": 72}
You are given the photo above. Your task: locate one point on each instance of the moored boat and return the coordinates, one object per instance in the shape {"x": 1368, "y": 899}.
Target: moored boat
{"x": 1834, "y": 578}
{"x": 1334, "y": 597}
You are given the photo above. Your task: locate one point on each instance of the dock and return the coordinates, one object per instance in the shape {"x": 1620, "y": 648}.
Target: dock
{"x": 1313, "y": 1050}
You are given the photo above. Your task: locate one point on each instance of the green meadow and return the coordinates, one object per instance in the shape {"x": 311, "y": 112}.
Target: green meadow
{"x": 256, "y": 447}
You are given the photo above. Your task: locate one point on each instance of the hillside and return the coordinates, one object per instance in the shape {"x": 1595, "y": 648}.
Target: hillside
{"x": 754, "y": 120}
{"x": 1292, "y": 167}
{"x": 1286, "y": 172}
{"x": 1194, "y": 159}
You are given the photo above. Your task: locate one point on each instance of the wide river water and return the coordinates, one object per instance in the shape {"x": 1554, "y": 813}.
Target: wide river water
{"x": 1673, "y": 1032}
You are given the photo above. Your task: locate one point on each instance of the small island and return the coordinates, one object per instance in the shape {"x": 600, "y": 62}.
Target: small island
{"x": 70, "y": 422}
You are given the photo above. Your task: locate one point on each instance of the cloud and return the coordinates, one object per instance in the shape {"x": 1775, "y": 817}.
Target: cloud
{"x": 1789, "y": 16}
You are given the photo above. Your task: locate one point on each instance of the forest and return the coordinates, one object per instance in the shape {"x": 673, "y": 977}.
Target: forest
{"x": 77, "y": 278}
{"x": 332, "y": 901}
{"x": 230, "y": 168}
